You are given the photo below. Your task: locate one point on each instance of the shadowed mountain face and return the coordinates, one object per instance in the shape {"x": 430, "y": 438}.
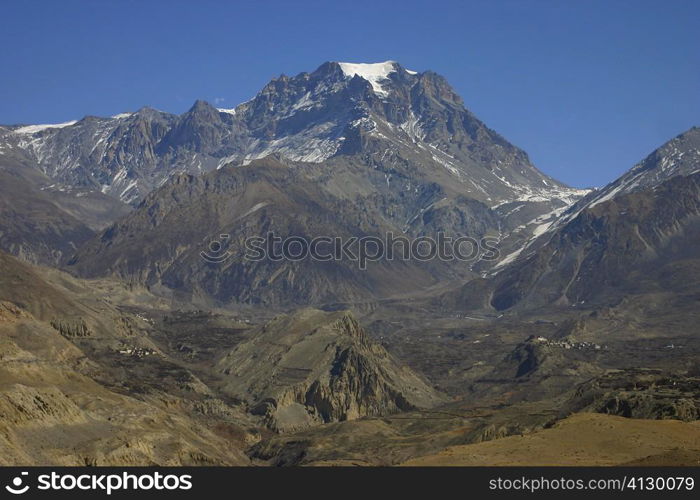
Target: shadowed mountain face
{"x": 43, "y": 223}
{"x": 637, "y": 235}
{"x": 369, "y": 150}
{"x": 33, "y": 226}
{"x": 161, "y": 243}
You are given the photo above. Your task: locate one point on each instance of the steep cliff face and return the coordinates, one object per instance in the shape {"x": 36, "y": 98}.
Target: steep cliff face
{"x": 314, "y": 367}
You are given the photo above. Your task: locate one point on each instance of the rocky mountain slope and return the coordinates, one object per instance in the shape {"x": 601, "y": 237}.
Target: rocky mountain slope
{"x": 369, "y": 150}
{"x": 592, "y": 306}
{"x": 395, "y": 144}
{"x": 317, "y": 367}
{"x": 161, "y": 244}
{"x": 581, "y": 440}
{"x": 634, "y": 236}
{"x": 33, "y": 227}
{"x": 85, "y": 379}
{"x": 59, "y": 401}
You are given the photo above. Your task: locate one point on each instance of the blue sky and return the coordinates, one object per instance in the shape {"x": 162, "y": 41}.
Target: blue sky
{"x": 587, "y": 88}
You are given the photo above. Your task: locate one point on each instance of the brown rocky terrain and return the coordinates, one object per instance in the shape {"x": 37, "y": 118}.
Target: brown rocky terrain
{"x": 44, "y": 223}
{"x": 56, "y": 404}
{"x": 586, "y": 439}
{"x": 629, "y": 238}
{"x": 317, "y": 367}
{"x": 97, "y": 373}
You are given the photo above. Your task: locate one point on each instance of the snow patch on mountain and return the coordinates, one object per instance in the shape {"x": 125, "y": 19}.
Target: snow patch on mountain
{"x": 374, "y": 73}
{"x": 567, "y": 196}
{"x": 314, "y": 145}
{"x": 412, "y": 128}
{"x": 302, "y": 119}
{"x": 536, "y": 227}
{"x": 677, "y": 157}
{"x": 33, "y": 129}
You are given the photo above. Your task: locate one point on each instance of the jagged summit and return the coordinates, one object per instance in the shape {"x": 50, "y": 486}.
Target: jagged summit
{"x": 409, "y": 125}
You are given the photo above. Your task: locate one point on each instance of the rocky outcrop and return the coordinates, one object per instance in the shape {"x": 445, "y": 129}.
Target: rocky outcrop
{"x": 640, "y": 393}
{"x": 315, "y": 367}
{"x": 11, "y": 313}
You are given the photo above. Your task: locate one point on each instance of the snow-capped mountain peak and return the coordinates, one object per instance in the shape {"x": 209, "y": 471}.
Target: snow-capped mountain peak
{"x": 374, "y": 73}
{"x": 406, "y": 125}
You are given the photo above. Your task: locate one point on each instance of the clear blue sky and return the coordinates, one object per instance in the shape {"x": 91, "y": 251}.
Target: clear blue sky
{"x": 587, "y": 88}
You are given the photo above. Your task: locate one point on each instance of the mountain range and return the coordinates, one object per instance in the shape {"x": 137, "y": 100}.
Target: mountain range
{"x": 376, "y": 147}
{"x": 130, "y": 313}
{"x": 395, "y": 119}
